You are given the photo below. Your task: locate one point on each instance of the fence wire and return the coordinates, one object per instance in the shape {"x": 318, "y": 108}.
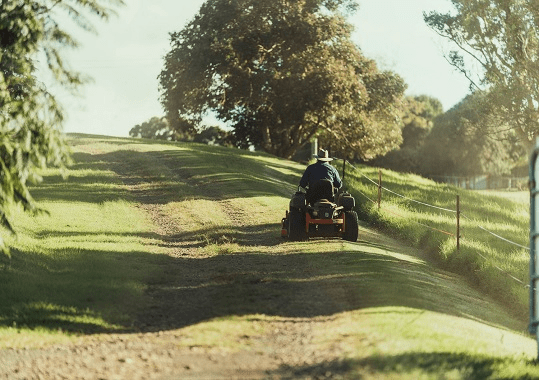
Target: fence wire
{"x": 403, "y": 196}
{"x": 445, "y": 232}
{"x": 402, "y": 216}
{"x": 495, "y": 235}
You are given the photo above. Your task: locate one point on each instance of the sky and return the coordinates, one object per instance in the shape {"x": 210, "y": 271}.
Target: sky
{"x": 126, "y": 56}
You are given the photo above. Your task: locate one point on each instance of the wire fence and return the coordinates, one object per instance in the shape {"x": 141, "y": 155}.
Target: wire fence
{"x": 457, "y": 212}
{"x": 484, "y": 182}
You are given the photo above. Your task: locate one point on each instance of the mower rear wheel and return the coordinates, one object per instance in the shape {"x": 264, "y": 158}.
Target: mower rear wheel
{"x": 351, "y": 226}
{"x": 296, "y": 225}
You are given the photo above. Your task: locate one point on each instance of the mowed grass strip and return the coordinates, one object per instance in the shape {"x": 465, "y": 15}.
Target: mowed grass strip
{"x": 408, "y": 343}
{"x": 83, "y": 266}
{"x": 381, "y": 309}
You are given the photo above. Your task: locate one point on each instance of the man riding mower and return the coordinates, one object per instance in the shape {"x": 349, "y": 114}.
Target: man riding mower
{"x": 323, "y": 210}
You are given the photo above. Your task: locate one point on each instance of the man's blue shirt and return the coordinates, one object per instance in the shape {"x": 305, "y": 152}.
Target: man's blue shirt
{"x": 320, "y": 170}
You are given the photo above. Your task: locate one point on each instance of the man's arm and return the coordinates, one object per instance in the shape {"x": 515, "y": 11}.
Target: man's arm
{"x": 304, "y": 181}
{"x": 337, "y": 183}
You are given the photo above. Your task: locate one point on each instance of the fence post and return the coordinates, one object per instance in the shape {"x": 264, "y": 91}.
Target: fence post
{"x": 379, "y": 187}
{"x": 458, "y": 223}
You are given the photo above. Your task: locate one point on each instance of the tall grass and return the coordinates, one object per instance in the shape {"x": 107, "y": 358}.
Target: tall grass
{"x": 497, "y": 267}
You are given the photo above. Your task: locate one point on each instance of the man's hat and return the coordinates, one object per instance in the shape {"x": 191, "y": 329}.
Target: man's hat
{"x": 323, "y": 155}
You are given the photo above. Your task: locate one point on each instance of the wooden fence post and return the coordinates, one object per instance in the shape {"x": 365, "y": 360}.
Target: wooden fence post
{"x": 379, "y": 187}
{"x": 458, "y": 223}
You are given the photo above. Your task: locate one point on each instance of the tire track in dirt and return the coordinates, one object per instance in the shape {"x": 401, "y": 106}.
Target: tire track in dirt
{"x": 157, "y": 351}
{"x": 288, "y": 342}
{"x": 268, "y": 282}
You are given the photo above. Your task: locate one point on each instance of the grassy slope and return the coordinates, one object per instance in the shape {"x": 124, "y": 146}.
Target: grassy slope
{"x": 85, "y": 269}
{"x": 499, "y": 268}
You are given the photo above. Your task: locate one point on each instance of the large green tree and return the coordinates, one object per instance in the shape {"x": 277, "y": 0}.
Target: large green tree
{"x": 498, "y": 49}
{"x": 467, "y": 141}
{"x": 30, "y": 117}
{"x": 418, "y": 114}
{"x": 156, "y": 128}
{"x": 280, "y": 73}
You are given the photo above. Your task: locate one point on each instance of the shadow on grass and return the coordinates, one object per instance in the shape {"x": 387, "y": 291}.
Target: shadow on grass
{"x": 267, "y": 234}
{"x": 87, "y": 291}
{"x": 438, "y": 365}
{"x": 97, "y": 184}
{"x": 170, "y": 175}
{"x": 301, "y": 285}
{"x": 98, "y": 291}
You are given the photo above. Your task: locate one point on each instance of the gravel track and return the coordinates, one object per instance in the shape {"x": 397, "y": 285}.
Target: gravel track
{"x": 196, "y": 288}
{"x": 157, "y": 351}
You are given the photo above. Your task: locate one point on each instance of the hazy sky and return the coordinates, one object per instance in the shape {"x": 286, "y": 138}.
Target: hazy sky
{"x": 126, "y": 57}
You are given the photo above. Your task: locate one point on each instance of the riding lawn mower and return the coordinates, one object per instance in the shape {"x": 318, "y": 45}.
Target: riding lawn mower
{"x": 324, "y": 215}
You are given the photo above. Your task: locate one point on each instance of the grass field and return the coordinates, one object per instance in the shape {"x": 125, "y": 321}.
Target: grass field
{"x": 84, "y": 266}
{"x": 80, "y": 268}
{"x": 383, "y": 308}
{"x": 500, "y": 268}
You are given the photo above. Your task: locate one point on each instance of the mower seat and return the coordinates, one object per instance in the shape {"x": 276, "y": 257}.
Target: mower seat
{"x": 322, "y": 189}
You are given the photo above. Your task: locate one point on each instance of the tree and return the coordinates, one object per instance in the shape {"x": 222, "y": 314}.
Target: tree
{"x": 280, "y": 73}
{"x": 417, "y": 114}
{"x": 30, "y": 117}
{"x": 466, "y": 141}
{"x": 155, "y": 128}
{"x": 213, "y": 136}
{"x": 502, "y": 38}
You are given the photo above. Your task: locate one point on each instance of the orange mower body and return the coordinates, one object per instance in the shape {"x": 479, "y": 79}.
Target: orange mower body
{"x": 323, "y": 218}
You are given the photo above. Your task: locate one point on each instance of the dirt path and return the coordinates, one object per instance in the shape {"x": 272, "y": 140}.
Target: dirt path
{"x": 273, "y": 319}
{"x": 157, "y": 351}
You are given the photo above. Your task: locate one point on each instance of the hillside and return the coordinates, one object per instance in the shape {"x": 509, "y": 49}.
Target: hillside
{"x": 163, "y": 260}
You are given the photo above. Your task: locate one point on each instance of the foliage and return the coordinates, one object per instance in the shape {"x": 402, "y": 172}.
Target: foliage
{"x": 502, "y": 37}
{"x": 481, "y": 255}
{"x": 213, "y": 136}
{"x": 467, "y": 140}
{"x": 155, "y": 128}
{"x": 280, "y": 73}
{"x": 158, "y": 128}
{"x": 418, "y": 114}
{"x": 30, "y": 117}
{"x": 464, "y": 141}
